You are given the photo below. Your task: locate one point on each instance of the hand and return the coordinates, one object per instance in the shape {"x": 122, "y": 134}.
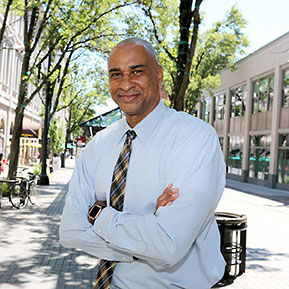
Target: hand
{"x": 167, "y": 197}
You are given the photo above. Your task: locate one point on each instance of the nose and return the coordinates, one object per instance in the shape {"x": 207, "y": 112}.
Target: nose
{"x": 126, "y": 83}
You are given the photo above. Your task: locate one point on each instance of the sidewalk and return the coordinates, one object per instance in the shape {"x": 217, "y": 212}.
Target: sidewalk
{"x": 272, "y": 194}
{"x": 267, "y": 251}
{"x": 31, "y": 256}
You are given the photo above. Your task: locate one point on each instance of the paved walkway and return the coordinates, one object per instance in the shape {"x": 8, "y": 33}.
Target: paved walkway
{"x": 31, "y": 256}
{"x": 267, "y": 236}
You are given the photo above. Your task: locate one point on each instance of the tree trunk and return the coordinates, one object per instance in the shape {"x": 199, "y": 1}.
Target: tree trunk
{"x": 23, "y": 89}
{"x": 8, "y": 6}
{"x": 65, "y": 149}
{"x": 67, "y": 135}
{"x": 186, "y": 51}
{"x": 18, "y": 121}
{"x": 15, "y": 143}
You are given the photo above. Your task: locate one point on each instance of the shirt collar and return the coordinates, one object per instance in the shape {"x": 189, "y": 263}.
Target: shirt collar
{"x": 144, "y": 128}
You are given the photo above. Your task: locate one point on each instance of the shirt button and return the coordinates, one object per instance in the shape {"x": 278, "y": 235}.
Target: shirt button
{"x": 123, "y": 258}
{"x": 99, "y": 230}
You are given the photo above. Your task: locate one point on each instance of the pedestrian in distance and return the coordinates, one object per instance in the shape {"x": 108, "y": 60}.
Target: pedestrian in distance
{"x": 143, "y": 193}
{"x": 1, "y": 162}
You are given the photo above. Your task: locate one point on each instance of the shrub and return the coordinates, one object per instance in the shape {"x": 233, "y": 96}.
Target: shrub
{"x": 37, "y": 169}
{"x": 5, "y": 189}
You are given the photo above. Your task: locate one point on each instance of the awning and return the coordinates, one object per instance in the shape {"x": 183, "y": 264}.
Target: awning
{"x": 31, "y": 128}
{"x": 69, "y": 146}
{"x": 31, "y": 144}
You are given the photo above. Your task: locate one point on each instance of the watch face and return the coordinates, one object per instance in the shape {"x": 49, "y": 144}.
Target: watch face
{"x": 94, "y": 211}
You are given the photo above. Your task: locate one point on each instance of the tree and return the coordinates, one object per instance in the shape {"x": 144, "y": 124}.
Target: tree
{"x": 179, "y": 56}
{"x": 56, "y": 136}
{"x": 217, "y": 49}
{"x": 58, "y": 29}
{"x": 80, "y": 111}
{"x": 183, "y": 51}
{"x": 82, "y": 92}
{"x": 7, "y": 7}
{"x": 186, "y": 50}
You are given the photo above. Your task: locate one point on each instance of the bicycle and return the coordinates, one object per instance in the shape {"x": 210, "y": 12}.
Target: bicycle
{"x": 22, "y": 190}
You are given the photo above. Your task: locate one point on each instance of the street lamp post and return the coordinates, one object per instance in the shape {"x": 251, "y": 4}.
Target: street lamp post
{"x": 44, "y": 179}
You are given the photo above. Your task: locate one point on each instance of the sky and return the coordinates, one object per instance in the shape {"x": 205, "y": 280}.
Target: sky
{"x": 267, "y": 20}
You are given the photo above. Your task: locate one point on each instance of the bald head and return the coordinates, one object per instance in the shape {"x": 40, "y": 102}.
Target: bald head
{"x": 138, "y": 41}
{"x": 135, "y": 78}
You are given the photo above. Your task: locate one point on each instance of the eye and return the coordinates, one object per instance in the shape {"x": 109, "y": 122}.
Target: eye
{"x": 137, "y": 72}
{"x": 115, "y": 75}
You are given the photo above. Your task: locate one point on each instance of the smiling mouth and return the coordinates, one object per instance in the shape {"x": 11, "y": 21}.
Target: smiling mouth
{"x": 128, "y": 97}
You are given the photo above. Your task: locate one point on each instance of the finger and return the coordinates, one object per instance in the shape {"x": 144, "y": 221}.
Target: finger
{"x": 169, "y": 199}
{"x": 166, "y": 192}
{"x": 174, "y": 196}
{"x": 168, "y": 195}
{"x": 166, "y": 202}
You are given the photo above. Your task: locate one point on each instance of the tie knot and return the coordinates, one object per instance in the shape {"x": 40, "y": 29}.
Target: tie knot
{"x": 131, "y": 134}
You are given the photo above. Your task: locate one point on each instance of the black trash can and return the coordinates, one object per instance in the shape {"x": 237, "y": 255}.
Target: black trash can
{"x": 233, "y": 231}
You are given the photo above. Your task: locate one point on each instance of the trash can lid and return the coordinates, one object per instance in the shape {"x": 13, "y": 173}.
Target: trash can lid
{"x": 230, "y": 218}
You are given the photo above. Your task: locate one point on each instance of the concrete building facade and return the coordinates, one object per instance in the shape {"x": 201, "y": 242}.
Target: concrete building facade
{"x": 10, "y": 73}
{"x": 250, "y": 112}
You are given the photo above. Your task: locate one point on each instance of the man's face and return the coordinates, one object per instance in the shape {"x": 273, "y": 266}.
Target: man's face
{"x": 134, "y": 80}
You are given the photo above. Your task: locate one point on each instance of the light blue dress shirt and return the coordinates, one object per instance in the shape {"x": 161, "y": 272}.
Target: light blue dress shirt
{"x": 179, "y": 246}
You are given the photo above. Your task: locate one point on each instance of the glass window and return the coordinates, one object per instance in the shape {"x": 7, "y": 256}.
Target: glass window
{"x": 1, "y": 60}
{"x": 259, "y": 157}
{"x": 238, "y": 100}
{"x": 285, "y": 91}
{"x": 220, "y": 106}
{"x": 206, "y": 110}
{"x": 263, "y": 91}
{"x": 235, "y": 155}
{"x": 7, "y": 66}
{"x": 221, "y": 140}
{"x": 283, "y": 159}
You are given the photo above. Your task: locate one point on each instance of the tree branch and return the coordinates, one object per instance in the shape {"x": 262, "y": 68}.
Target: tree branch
{"x": 41, "y": 26}
{"x": 199, "y": 61}
{"x": 63, "y": 78}
{"x": 2, "y": 30}
{"x": 149, "y": 14}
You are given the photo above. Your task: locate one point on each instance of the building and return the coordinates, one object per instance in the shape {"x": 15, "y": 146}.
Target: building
{"x": 10, "y": 72}
{"x": 250, "y": 112}
{"x": 98, "y": 123}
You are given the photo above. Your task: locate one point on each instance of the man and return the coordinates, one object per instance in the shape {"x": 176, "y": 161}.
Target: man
{"x": 164, "y": 234}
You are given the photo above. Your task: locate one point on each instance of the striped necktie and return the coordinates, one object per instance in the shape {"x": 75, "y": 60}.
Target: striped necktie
{"x": 117, "y": 188}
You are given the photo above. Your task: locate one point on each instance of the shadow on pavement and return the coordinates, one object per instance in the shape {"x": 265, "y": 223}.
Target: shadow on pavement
{"x": 254, "y": 261}
{"x": 257, "y": 256}
{"x": 38, "y": 258}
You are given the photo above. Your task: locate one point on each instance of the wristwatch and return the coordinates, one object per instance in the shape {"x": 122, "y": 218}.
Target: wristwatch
{"x": 94, "y": 211}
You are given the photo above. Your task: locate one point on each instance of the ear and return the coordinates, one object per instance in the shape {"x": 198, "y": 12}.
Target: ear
{"x": 160, "y": 75}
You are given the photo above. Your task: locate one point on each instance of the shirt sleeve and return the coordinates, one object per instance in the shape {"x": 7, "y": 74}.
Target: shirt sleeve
{"x": 75, "y": 231}
{"x": 196, "y": 166}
